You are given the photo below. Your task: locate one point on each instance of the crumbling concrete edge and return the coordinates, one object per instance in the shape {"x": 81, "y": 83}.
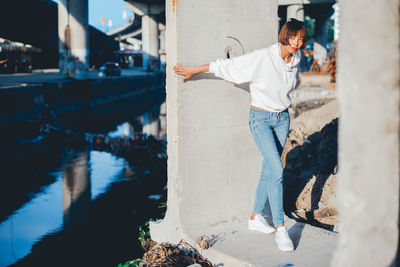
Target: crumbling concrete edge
{"x": 170, "y": 229}
{"x": 167, "y": 231}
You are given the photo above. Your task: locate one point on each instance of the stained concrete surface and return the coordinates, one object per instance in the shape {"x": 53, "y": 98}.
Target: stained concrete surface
{"x": 235, "y": 245}
{"x": 368, "y": 92}
{"x": 213, "y": 162}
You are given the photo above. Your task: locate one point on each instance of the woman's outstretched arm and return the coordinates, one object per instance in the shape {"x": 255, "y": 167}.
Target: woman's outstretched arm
{"x": 189, "y": 71}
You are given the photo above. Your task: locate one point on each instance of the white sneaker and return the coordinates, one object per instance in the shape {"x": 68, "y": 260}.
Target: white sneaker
{"x": 260, "y": 224}
{"x": 282, "y": 239}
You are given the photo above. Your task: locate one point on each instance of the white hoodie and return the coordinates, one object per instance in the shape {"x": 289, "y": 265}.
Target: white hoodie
{"x": 271, "y": 78}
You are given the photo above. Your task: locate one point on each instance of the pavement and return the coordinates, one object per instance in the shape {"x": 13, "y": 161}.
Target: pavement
{"x": 234, "y": 245}
{"x": 238, "y": 246}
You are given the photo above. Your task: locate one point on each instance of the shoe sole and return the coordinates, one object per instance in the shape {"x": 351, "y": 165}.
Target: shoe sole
{"x": 260, "y": 230}
{"x": 286, "y": 250}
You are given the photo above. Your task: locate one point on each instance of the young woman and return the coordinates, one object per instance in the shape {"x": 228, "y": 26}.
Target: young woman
{"x": 272, "y": 73}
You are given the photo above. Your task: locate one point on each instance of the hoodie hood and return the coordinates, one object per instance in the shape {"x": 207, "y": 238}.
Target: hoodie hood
{"x": 288, "y": 67}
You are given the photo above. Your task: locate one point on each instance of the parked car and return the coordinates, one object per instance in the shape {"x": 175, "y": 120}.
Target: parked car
{"x": 109, "y": 69}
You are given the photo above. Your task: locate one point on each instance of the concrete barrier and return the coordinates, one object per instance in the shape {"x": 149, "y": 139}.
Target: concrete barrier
{"x": 64, "y": 98}
{"x": 368, "y": 93}
{"x": 213, "y": 162}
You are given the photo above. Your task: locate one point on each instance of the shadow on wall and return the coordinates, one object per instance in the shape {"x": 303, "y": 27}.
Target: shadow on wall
{"x": 211, "y": 76}
{"x": 316, "y": 157}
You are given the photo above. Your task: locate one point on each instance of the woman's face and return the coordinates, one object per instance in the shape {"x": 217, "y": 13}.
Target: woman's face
{"x": 295, "y": 43}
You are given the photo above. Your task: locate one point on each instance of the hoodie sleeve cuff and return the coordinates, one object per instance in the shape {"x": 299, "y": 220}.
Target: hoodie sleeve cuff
{"x": 211, "y": 68}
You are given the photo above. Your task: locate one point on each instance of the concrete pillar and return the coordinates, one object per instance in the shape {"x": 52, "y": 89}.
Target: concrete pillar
{"x": 73, "y": 38}
{"x": 368, "y": 181}
{"x": 75, "y": 186}
{"x": 150, "y": 43}
{"x": 336, "y": 7}
{"x": 135, "y": 43}
{"x": 213, "y": 162}
{"x": 295, "y": 11}
{"x": 163, "y": 59}
{"x": 163, "y": 120}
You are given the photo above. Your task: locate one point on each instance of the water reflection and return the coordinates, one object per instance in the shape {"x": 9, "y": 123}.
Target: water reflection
{"x": 105, "y": 168}
{"x": 153, "y": 122}
{"x": 126, "y": 129}
{"x": 66, "y": 201}
{"x": 27, "y": 225}
{"x": 75, "y": 186}
{"x": 83, "y": 178}
{"x": 62, "y": 203}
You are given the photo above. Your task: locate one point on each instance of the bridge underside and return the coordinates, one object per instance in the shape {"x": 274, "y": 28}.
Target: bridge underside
{"x": 35, "y": 22}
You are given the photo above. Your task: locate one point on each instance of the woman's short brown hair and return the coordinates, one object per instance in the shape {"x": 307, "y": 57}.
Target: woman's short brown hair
{"x": 291, "y": 28}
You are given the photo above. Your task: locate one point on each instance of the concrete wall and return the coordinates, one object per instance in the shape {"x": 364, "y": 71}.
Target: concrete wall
{"x": 368, "y": 91}
{"x": 68, "y": 98}
{"x": 213, "y": 162}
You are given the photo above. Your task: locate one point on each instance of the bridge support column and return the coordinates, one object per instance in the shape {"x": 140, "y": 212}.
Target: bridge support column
{"x": 151, "y": 14}
{"x": 163, "y": 120}
{"x": 295, "y": 11}
{"x": 369, "y": 95}
{"x": 150, "y": 42}
{"x": 163, "y": 59}
{"x": 73, "y": 38}
{"x": 336, "y": 9}
{"x": 212, "y": 158}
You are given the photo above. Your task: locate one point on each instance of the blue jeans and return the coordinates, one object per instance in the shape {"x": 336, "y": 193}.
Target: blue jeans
{"x": 270, "y": 130}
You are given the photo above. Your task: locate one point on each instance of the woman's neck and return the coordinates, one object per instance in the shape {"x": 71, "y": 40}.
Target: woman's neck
{"x": 286, "y": 56}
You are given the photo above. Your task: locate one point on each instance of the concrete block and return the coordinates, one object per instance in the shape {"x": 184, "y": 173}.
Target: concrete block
{"x": 213, "y": 162}
{"x": 368, "y": 94}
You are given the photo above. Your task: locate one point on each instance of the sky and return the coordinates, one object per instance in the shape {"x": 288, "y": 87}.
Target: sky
{"x": 110, "y": 10}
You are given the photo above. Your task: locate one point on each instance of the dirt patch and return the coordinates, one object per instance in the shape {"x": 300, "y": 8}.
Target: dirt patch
{"x": 310, "y": 160}
{"x": 305, "y": 106}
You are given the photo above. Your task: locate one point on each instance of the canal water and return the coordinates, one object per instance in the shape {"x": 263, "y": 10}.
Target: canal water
{"x": 78, "y": 201}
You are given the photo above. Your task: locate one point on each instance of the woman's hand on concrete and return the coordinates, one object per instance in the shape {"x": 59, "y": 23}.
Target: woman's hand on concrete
{"x": 188, "y": 71}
